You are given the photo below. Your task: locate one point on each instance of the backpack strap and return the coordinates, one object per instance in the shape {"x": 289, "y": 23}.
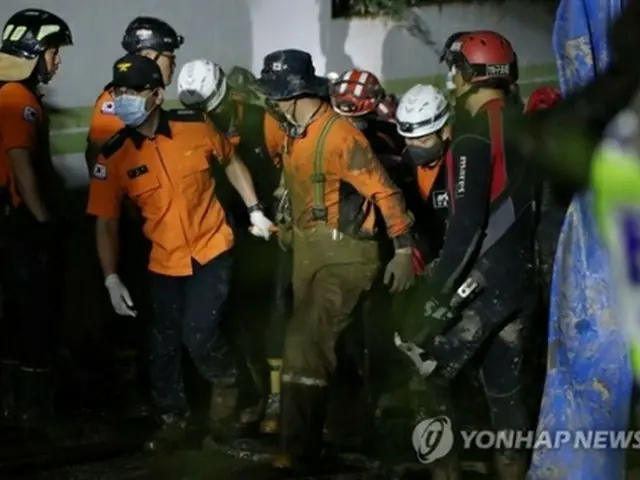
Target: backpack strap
{"x": 319, "y": 210}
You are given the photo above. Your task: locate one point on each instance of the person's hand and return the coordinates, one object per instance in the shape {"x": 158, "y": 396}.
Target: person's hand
{"x": 400, "y": 271}
{"x": 261, "y": 226}
{"x": 120, "y": 297}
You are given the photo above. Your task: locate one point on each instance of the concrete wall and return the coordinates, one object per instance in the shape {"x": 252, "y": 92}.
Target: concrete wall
{"x": 243, "y": 31}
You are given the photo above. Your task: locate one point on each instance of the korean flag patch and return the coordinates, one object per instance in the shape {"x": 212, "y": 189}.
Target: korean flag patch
{"x": 30, "y": 114}
{"x": 108, "y": 108}
{"x": 100, "y": 171}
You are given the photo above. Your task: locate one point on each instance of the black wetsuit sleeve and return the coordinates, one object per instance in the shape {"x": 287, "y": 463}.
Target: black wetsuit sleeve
{"x": 472, "y": 169}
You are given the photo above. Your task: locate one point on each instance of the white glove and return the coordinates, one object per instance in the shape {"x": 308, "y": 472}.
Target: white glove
{"x": 119, "y": 295}
{"x": 425, "y": 366}
{"x": 261, "y": 225}
{"x": 201, "y": 84}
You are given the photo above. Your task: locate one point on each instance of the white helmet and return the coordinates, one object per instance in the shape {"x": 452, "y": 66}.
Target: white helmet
{"x": 423, "y": 110}
{"x": 202, "y": 84}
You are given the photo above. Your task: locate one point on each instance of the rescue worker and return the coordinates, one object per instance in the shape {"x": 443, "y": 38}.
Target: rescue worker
{"x": 484, "y": 279}
{"x": 155, "y": 39}
{"x": 427, "y": 132}
{"x": 357, "y": 96}
{"x": 30, "y": 255}
{"x": 258, "y": 139}
{"x": 161, "y": 160}
{"x": 146, "y": 36}
{"x": 333, "y": 178}
{"x": 424, "y": 118}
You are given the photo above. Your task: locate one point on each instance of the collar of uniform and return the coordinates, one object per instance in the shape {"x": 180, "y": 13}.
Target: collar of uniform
{"x": 163, "y": 129}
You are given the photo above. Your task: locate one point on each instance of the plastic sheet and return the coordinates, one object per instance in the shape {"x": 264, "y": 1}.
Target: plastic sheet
{"x": 589, "y": 380}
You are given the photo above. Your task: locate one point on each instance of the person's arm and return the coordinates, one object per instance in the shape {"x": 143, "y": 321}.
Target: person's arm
{"x": 240, "y": 178}
{"x": 472, "y": 161}
{"x": 358, "y": 166}
{"x": 105, "y": 200}
{"x": 108, "y": 244}
{"x": 235, "y": 169}
{"x": 26, "y": 184}
{"x": 19, "y": 122}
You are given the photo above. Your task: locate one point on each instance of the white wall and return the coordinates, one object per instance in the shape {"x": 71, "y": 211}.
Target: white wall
{"x": 243, "y": 31}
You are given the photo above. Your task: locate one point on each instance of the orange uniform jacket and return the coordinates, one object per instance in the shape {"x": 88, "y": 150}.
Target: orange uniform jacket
{"x": 169, "y": 178}
{"x": 348, "y": 158}
{"x": 426, "y": 178}
{"x": 21, "y": 121}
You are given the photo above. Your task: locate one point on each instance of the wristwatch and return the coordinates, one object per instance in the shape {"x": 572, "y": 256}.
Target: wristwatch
{"x": 254, "y": 208}
{"x": 403, "y": 241}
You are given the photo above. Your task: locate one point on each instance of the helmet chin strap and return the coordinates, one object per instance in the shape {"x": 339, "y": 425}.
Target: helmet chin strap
{"x": 295, "y": 130}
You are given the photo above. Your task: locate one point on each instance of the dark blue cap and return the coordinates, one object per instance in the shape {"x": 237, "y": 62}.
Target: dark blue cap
{"x": 288, "y": 74}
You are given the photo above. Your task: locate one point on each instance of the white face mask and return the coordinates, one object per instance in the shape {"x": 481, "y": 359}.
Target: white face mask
{"x": 450, "y": 84}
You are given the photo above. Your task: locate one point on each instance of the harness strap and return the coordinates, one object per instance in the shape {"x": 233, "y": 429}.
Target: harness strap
{"x": 319, "y": 210}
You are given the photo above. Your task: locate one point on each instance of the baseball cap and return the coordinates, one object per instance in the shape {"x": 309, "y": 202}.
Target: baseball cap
{"x": 136, "y": 72}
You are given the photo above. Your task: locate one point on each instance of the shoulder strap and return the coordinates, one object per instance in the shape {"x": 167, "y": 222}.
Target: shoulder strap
{"x": 319, "y": 210}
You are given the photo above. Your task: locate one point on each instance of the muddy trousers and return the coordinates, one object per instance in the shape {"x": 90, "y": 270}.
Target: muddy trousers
{"x": 187, "y": 311}
{"x": 281, "y": 303}
{"x": 330, "y": 273}
{"x": 500, "y": 367}
{"x": 492, "y": 312}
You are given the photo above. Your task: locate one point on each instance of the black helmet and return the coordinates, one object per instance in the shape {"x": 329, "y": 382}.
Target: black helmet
{"x": 28, "y": 33}
{"x": 151, "y": 33}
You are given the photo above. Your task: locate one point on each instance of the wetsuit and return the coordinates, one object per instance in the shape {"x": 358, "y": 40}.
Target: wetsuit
{"x": 490, "y": 233}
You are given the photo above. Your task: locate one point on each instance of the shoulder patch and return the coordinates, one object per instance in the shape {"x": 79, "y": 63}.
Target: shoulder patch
{"x": 30, "y": 114}
{"x": 114, "y": 144}
{"x": 108, "y": 108}
{"x": 185, "y": 115}
{"x": 99, "y": 171}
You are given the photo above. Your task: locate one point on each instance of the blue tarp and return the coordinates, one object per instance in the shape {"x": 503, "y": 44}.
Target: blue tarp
{"x": 589, "y": 380}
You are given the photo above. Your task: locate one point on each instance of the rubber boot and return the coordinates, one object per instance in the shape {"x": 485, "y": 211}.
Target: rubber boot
{"x": 510, "y": 465}
{"x": 223, "y": 421}
{"x": 36, "y": 396}
{"x": 9, "y": 384}
{"x": 303, "y": 414}
{"x": 170, "y": 436}
{"x": 271, "y": 422}
{"x": 251, "y": 417}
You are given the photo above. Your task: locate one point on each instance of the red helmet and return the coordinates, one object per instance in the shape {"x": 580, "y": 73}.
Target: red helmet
{"x": 483, "y": 56}
{"x": 543, "y": 97}
{"x": 356, "y": 92}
